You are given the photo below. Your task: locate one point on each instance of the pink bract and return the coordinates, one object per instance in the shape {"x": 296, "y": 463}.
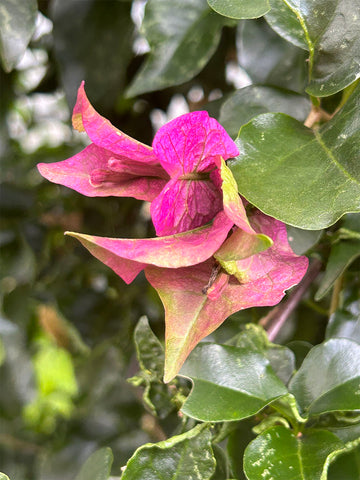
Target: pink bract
{"x": 179, "y": 175}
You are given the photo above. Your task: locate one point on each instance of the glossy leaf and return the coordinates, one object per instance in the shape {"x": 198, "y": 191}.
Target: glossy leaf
{"x": 282, "y": 359}
{"x": 344, "y": 251}
{"x": 245, "y": 103}
{"x": 278, "y": 454}
{"x": 327, "y": 181}
{"x": 342, "y": 254}
{"x": 269, "y": 59}
{"x": 347, "y": 466}
{"x": 97, "y": 466}
{"x": 183, "y": 35}
{"x": 332, "y": 34}
{"x": 328, "y": 379}
{"x": 17, "y": 25}
{"x": 86, "y": 53}
{"x": 240, "y": 8}
{"x": 187, "y": 456}
{"x": 345, "y": 323}
{"x": 285, "y": 22}
{"x": 229, "y": 383}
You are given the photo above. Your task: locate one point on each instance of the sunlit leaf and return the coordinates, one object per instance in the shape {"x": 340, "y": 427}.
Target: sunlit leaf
{"x": 229, "y": 383}
{"x": 326, "y": 185}
{"x": 187, "y": 456}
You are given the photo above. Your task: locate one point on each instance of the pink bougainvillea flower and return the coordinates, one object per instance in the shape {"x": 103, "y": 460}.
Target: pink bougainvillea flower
{"x": 179, "y": 174}
{"x": 206, "y": 274}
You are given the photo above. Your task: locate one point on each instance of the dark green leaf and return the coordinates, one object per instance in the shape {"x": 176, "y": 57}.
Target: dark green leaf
{"x": 342, "y": 254}
{"x": 282, "y": 359}
{"x": 345, "y": 323}
{"x": 238, "y": 440}
{"x": 332, "y": 33}
{"x": 149, "y": 351}
{"x": 230, "y": 383}
{"x": 268, "y": 58}
{"x": 187, "y": 456}
{"x": 328, "y": 379}
{"x": 240, "y": 8}
{"x": 183, "y": 35}
{"x": 304, "y": 178}
{"x": 278, "y": 454}
{"x": 346, "y": 467}
{"x": 300, "y": 240}
{"x": 17, "y": 24}
{"x": 285, "y": 22}
{"x": 97, "y": 466}
{"x": 222, "y": 463}
{"x": 246, "y": 103}
{"x": 300, "y": 349}
{"x": 93, "y": 42}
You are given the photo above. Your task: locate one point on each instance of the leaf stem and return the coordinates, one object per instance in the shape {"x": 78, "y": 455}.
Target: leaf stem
{"x": 278, "y": 316}
{"x": 335, "y": 297}
{"x": 316, "y": 115}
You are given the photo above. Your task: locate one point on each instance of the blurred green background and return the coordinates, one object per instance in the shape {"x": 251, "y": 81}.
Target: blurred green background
{"x": 67, "y": 321}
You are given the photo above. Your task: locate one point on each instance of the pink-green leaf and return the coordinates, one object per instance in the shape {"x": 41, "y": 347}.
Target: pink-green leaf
{"x": 196, "y": 303}
{"x": 128, "y": 257}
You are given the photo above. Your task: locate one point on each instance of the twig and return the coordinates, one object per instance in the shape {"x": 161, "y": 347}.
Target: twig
{"x": 316, "y": 115}
{"x": 335, "y": 297}
{"x": 278, "y": 315}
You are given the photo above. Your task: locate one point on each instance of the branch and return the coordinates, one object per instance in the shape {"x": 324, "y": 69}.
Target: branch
{"x": 276, "y": 318}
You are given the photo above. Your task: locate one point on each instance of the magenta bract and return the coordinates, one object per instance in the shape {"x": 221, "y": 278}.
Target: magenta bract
{"x": 210, "y": 258}
{"x": 180, "y": 174}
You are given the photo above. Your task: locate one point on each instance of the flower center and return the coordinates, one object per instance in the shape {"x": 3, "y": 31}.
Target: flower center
{"x": 205, "y": 176}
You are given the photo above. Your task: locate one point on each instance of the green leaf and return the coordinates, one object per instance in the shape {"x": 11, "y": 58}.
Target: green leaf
{"x": 326, "y": 185}
{"x": 285, "y": 22}
{"x": 229, "y": 383}
{"x": 3, "y": 476}
{"x": 347, "y": 467}
{"x": 97, "y": 466}
{"x": 342, "y": 255}
{"x": 187, "y": 456}
{"x": 328, "y": 379}
{"x": 345, "y": 323}
{"x": 149, "y": 351}
{"x": 244, "y": 104}
{"x": 17, "y": 25}
{"x": 240, "y": 8}
{"x": 99, "y": 53}
{"x": 183, "y": 35}
{"x": 344, "y": 251}
{"x": 277, "y": 454}
{"x": 332, "y": 34}
{"x": 300, "y": 240}
{"x": 238, "y": 440}
{"x": 269, "y": 59}
{"x": 282, "y": 359}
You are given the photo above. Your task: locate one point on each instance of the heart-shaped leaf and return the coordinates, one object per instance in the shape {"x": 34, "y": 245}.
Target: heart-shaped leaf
{"x": 187, "y": 456}
{"x": 240, "y": 8}
{"x": 328, "y": 379}
{"x": 230, "y": 383}
{"x": 326, "y": 184}
{"x": 277, "y": 454}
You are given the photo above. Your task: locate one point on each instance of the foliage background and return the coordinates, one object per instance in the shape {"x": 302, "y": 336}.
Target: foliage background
{"x": 67, "y": 322}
